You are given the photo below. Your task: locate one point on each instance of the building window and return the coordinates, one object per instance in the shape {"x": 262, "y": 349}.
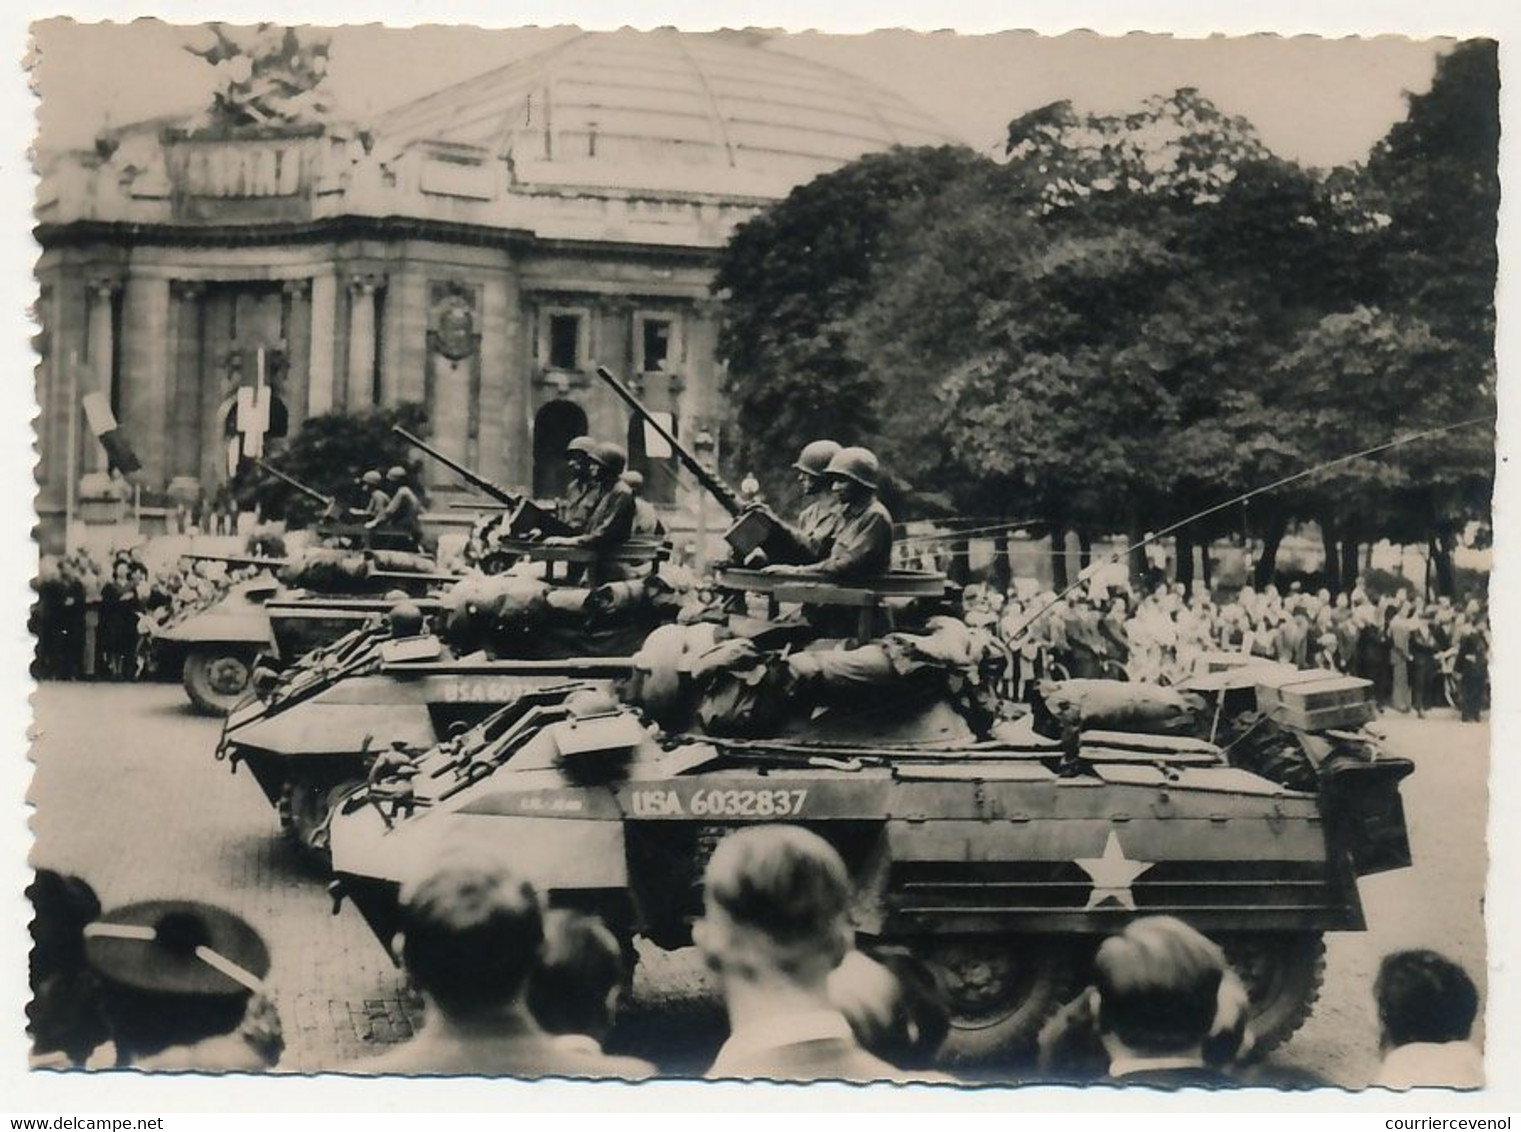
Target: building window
{"x": 655, "y": 345}
{"x": 565, "y": 341}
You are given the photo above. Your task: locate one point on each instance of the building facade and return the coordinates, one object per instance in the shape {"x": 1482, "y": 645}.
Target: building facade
{"x": 480, "y": 250}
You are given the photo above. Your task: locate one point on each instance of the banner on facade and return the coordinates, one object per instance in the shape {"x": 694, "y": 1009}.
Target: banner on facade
{"x": 655, "y": 446}
{"x": 103, "y": 423}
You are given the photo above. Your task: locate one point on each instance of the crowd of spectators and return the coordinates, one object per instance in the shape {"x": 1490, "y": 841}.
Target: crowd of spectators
{"x": 511, "y": 988}
{"x": 1417, "y": 653}
{"x": 94, "y": 621}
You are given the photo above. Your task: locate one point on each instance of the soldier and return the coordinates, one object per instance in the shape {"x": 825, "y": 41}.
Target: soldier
{"x": 817, "y": 522}
{"x": 647, "y": 522}
{"x": 611, "y": 520}
{"x": 582, "y": 494}
{"x": 373, "y": 495}
{"x": 862, "y": 542}
{"x": 403, "y": 514}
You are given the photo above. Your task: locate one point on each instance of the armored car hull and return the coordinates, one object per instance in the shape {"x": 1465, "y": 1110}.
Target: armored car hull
{"x": 1000, "y": 863}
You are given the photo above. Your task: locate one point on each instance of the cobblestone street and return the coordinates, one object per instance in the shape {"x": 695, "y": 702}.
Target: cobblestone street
{"x": 129, "y": 796}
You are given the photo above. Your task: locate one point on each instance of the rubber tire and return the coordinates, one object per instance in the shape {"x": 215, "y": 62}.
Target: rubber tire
{"x": 197, "y": 678}
{"x": 1296, "y": 967}
{"x": 1056, "y": 971}
{"x": 304, "y": 808}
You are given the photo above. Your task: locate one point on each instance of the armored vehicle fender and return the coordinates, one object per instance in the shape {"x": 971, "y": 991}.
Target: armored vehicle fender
{"x": 219, "y": 645}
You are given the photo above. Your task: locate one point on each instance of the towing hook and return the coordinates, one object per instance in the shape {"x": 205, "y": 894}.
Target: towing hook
{"x": 336, "y": 894}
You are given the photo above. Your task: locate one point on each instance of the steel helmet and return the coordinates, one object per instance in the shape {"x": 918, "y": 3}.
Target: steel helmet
{"x": 371, "y": 479}
{"x": 405, "y": 619}
{"x": 397, "y": 473}
{"x": 856, "y": 464}
{"x": 815, "y": 457}
{"x": 582, "y": 445}
{"x": 611, "y": 458}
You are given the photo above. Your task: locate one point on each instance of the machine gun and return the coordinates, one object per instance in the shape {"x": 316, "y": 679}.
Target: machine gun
{"x": 753, "y": 528}
{"x": 329, "y": 504}
{"x": 527, "y": 515}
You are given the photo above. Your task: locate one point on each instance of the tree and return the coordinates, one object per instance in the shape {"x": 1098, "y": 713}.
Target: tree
{"x": 329, "y": 453}
{"x": 1086, "y": 319}
{"x": 791, "y": 278}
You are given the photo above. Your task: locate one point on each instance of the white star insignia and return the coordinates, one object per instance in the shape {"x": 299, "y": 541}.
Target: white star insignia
{"x": 1112, "y": 874}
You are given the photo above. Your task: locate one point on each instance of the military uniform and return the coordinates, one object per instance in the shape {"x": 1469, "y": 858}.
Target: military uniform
{"x": 403, "y": 514}
{"x": 862, "y": 544}
{"x": 816, "y": 527}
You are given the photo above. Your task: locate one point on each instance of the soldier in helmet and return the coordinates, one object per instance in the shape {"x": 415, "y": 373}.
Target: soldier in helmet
{"x": 814, "y": 531}
{"x": 403, "y": 514}
{"x": 373, "y": 494}
{"x": 581, "y": 497}
{"x": 611, "y": 520}
{"x": 862, "y": 542}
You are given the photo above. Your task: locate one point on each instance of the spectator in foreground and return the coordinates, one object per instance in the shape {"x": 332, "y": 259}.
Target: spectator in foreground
{"x": 182, "y": 988}
{"x": 1156, "y": 1000}
{"x": 1426, "y": 1009}
{"x": 64, "y": 1018}
{"x": 896, "y": 1007}
{"x": 472, "y": 934}
{"x": 574, "y": 994}
{"x": 775, "y": 923}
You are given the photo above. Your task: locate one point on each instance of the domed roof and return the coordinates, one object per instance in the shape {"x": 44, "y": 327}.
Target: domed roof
{"x": 666, "y": 110}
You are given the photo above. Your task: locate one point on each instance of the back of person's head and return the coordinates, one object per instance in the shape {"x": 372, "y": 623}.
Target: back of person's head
{"x": 1158, "y": 984}
{"x": 776, "y": 896}
{"x": 472, "y": 933}
{"x": 575, "y": 989}
{"x": 896, "y": 1007}
{"x": 65, "y": 1012}
{"x": 1424, "y": 997}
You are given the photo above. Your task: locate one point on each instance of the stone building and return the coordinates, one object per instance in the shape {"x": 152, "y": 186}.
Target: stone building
{"x": 479, "y": 250}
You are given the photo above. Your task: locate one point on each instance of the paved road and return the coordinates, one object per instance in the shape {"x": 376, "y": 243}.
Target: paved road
{"x": 128, "y": 796}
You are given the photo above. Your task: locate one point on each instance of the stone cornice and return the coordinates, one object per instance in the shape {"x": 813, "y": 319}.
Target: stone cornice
{"x": 81, "y": 233}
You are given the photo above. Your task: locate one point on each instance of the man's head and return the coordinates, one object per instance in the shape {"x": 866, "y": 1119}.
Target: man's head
{"x": 576, "y": 988}
{"x": 397, "y": 475}
{"x": 372, "y": 479}
{"x": 1424, "y": 997}
{"x": 776, "y": 903}
{"x": 578, "y": 455}
{"x": 811, "y": 464}
{"x": 853, "y": 473}
{"x": 608, "y": 461}
{"x": 1158, "y": 984}
{"x": 471, "y": 934}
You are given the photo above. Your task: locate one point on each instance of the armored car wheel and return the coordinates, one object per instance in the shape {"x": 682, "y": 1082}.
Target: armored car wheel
{"x": 216, "y": 679}
{"x": 1282, "y": 972}
{"x": 304, "y": 808}
{"x": 1000, "y": 990}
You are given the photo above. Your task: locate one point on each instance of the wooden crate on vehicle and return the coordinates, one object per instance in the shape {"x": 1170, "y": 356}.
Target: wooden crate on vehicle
{"x": 1316, "y": 701}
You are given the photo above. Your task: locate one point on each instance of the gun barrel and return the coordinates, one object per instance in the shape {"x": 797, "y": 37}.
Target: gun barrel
{"x": 292, "y": 481}
{"x": 475, "y": 479}
{"x": 727, "y": 498}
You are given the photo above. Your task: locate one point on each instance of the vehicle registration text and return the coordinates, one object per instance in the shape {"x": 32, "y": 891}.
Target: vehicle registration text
{"x": 719, "y": 803}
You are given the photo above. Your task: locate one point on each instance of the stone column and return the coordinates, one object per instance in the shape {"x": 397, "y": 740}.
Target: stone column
{"x": 324, "y": 324}
{"x": 298, "y": 349}
{"x": 361, "y": 385}
{"x": 505, "y": 438}
{"x": 102, "y": 347}
{"x": 185, "y": 423}
{"x": 145, "y": 369}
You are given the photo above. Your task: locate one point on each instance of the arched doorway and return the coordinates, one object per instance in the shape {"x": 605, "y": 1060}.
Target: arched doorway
{"x": 554, "y": 426}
